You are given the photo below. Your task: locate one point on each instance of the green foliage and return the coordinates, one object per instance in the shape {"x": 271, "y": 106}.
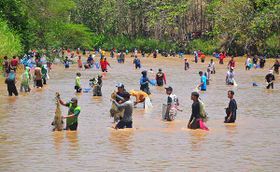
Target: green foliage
{"x": 9, "y": 41}
{"x": 273, "y": 44}
{"x": 235, "y": 26}
{"x": 206, "y": 46}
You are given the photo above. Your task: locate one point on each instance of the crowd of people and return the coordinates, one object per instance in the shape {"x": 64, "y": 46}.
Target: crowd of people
{"x": 122, "y": 103}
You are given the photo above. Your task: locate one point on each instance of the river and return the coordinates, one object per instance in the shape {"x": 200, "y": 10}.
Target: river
{"x": 252, "y": 144}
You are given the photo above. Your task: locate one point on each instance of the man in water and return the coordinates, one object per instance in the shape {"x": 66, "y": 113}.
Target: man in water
{"x": 276, "y": 66}
{"x": 6, "y": 66}
{"x": 230, "y": 77}
{"x": 194, "y": 119}
{"x": 269, "y": 79}
{"x": 144, "y": 83}
{"x": 262, "y": 62}
{"x": 140, "y": 96}
{"x": 78, "y": 86}
{"x": 172, "y": 105}
{"x": 231, "y": 109}
{"x": 104, "y": 63}
{"x": 203, "y": 81}
{"x": 119, "y": 98}
{"x": 248, "y": 63}
{"x": 195, "y": 56}
{"x": 137, "y": 63}
{"x": 38, "y": 76}
{"x": 187, "y": 65}
{"x": 212, "y": 67}
{"x": 73, "y": 113}
{"x": 231, "y": 63}
{"x": 11, "y": 83}
{"x": 14, "y": 63}
{"x": 160, "y": 78}
{"x": 127, "y": 106}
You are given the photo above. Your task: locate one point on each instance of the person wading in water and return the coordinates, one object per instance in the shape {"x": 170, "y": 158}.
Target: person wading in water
{"x": 231, "y": 109}
{"x": 73, "y": 113}
{"x": 160, "y": 78}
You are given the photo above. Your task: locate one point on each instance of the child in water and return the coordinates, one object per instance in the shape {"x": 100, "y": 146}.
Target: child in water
{"x": 78, "y": 87}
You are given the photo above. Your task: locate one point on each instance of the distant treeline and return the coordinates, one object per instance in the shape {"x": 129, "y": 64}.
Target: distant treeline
{"x": 234, "y": 26}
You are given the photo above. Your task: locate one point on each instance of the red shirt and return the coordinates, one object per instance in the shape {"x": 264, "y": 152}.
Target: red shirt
{"x": 104, "y": 64}
{"x": 14, "y": 62}
{"x": 231, "y": 63}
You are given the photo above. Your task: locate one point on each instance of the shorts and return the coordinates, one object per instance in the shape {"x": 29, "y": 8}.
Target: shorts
{"x": 72, "y": 127}
{"x": 123, "y": 124}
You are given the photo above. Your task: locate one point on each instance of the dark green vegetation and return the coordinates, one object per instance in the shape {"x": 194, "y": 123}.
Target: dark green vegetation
{"x": 235, "y": 26}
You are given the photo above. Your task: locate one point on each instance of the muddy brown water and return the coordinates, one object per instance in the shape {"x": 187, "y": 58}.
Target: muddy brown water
{"x": 252, "y": 144}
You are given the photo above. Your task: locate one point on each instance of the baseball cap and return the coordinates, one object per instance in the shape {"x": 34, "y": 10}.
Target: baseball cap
{"x": 120, "y": 85}
{"x": 74, "y": 100}
{"x": 169, "y": 88}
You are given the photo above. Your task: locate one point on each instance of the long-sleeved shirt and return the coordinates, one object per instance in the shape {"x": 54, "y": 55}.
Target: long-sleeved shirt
{"x": 128, "y": 110}
{"x": 195, "y": 111}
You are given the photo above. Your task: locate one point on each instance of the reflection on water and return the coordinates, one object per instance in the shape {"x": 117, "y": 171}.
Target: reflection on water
{"x": 121, "y": 140}
{"x": 27, "y": 143}
{"x": 197, "y": 139}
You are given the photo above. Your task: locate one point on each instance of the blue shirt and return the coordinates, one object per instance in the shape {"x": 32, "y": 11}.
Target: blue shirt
{"x": 203, "y": 80}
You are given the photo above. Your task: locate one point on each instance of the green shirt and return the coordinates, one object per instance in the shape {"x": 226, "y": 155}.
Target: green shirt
{"x": 78, "y": 81}
{"x": 72, "y": 110}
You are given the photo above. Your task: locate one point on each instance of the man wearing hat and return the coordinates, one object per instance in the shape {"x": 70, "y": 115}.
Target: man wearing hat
{"x": 269, "y": 79}
{"x": 172, "y": 105}
{"x": 119, "y": 98}
{"x": 127, "y": 107}
{"x": 160, "y": 78}
{"x": 73, "y": 113}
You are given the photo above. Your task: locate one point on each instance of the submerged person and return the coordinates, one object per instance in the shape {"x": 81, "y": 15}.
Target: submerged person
{"x": 198, "y": 115}
{"x": 78, "y": 86}
{"x": 11, "y": 83}
{"x": 25, "y": 80}
{"x": 230, "y": 77}
{"x": 141, "y": 97}
{"x": 231, "y": 109}
{"x": 137, "y": 63}
{"x": 127, "y": 106}
{"x": 172, "y": 105}
{"x": 203, "y": 81}
{"x": 144, "y": 82}
{"x": 160, "y": 78}
{"x": 73, "y": 113}
{"x": 270, "y": 78}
